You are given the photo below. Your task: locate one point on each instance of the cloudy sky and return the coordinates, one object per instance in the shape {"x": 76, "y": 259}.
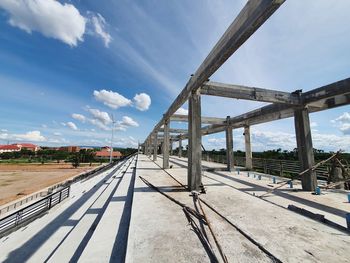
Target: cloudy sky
{"x": 67, "y": 66}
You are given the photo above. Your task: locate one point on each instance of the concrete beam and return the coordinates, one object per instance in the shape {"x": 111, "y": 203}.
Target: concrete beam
{"x": 229, "y": 148}
{"x": 204, "y": 120}
{"x": 251, "y": 17}
{"x": 327, "y": 99}
{"x": 305, "y": 149}
{"x": 166, "y": 145}
{"x": 194, "y": 170}
{"x": 249, "y": 93}
{"x": 172, "y": 130}
{"x": 248, "y": 149}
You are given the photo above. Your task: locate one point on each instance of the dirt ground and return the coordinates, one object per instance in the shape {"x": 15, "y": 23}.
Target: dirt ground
{"x": 18, "y": 180}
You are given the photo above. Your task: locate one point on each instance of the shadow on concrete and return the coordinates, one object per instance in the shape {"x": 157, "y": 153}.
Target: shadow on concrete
{"x": 278, "y": 192}
{"x": 24, "y": 252}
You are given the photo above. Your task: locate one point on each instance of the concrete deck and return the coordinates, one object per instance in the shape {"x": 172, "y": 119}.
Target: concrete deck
{"x": 116, "y": 217}
{"x": 159, "y": 230}
{"x": 65, "y": 233}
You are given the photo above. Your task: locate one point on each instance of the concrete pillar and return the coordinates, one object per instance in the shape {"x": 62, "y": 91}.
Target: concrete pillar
{"x": 305, "y": 148}
{"x": 155, "y": 146}
{"x": 229, "y": 146}
{"x": 194, "y": 170}
{"x": 248, "y": 149}
{"x": 180, "y": 147}
{"x": 171, "y": 147}
{"x": 150, "y": 147}
{"x": 166, "y": 145}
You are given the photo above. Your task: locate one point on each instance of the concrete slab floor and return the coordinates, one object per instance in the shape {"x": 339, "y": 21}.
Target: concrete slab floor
{"x": 159, "y": 230}
{"x": 332, "y": 204}
{"x": 65, "y": 232}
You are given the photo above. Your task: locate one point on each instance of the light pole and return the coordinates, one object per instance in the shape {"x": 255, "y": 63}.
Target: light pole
{"x": 111, "y": 149}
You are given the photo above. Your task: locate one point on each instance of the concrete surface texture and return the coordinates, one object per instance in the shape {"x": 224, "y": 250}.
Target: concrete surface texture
{"x": 160, "y": 232}
{"x": 116, "y": 217}
{"x": 65, "y": 232}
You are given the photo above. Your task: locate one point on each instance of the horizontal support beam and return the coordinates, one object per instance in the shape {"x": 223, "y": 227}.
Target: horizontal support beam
{"x": 328, "y": 98}
{"x": 249, "y": 93}
{"x": 172, "y": 130}
{"x": 204, "y": 120}
{"x": 251, "y": 17}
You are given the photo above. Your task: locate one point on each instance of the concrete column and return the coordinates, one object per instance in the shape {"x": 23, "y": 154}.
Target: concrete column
{"x": 305, "y": 148}
{"x": 248, "y": 149}
{"x": 150, "y": 147}
{"x": 155, "y": 146}
{"x": 180, "y": 148}
{"x": 229, "y": 146}
{"x": 166, "y": 145}
{"x": 194, "y": 170}
{"x": 171, "y": 147}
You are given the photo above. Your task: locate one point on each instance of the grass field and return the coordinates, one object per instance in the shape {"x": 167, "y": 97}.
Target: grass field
{"x": 18, "y": 180}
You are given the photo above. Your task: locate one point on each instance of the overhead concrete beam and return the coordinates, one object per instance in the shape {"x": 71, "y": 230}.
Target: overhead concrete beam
{"x": 251, "y": 17}
{"x": 248, "y": 93}
{"x": 204, "y": 120}
{"x": 172, "y": 130}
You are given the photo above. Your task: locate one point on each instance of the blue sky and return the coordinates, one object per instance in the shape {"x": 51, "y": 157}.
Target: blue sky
{"x": 66, "y": 65}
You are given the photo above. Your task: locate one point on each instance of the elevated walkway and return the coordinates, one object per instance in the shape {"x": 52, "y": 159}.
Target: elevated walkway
{"x": 116, "y": 217}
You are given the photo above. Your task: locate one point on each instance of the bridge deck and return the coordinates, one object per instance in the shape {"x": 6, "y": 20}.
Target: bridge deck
{"x": 116, "y": 217}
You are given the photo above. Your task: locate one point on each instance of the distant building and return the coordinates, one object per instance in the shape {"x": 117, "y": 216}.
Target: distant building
{"x": 105, "y": 153}
{"x": 28, "y": 146}
{"x": 71, "y": 149}
{"x": 16, "y": 147}
{"x": 9, "y": 148}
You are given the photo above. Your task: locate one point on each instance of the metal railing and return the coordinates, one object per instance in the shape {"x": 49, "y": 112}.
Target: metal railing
{"x": 32, "y": 211}
{"x": 271, "y": 166}
{"x": 21, "y": 202}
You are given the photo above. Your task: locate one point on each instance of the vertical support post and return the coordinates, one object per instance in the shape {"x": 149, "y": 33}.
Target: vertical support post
{"x": 155, "y": 146}
{"x": 166, "y": 145}
{"x": 305, "y": 148}
{"x": 229, "y": 146}
{"x": 150, "y": 146}
{"x": 180, "y": 147}
{"x": 248, "y": 149}
{"x": 194, "y": 170}
{"x": 171, "y": 147}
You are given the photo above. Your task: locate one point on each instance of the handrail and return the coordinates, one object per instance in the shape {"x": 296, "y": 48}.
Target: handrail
{"x": 30, "y": 212}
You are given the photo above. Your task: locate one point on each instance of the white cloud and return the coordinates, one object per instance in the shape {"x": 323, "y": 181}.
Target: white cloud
{"x": 112, "y": 99}
{"x": 32, "y": 136}
{"x": 44, "y": 126}
{"x": 98, "y": 24}
{"x": 99, "y": 124}
{"x": 49, "y": 17}
{"x": 4, "y": 130}
{"x": 142, "y": 101}
{"x": 313, "y": 124}
{"x": 182, "y": 111}
{"x": 101, "y": 116}
{"x": 79, "y": 117}
{"x": 57, "y": 133}
{"x": 127, "y": 121}
{"x": 72, "y": 125}
{"x": 63, "y": 124}
{"x": 343, "y": 123}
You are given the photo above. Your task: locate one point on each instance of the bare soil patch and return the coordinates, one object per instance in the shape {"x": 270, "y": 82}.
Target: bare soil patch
{"x": 18, "y": 180}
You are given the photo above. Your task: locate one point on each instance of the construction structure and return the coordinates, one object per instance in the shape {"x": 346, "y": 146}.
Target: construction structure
{"x": 296, "y": 104}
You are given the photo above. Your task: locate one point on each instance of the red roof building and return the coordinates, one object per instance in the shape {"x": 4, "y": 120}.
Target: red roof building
{"x": 16, "y": 147}
{"x": 28, "y": 146}
{"x": 105, "y": 153}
